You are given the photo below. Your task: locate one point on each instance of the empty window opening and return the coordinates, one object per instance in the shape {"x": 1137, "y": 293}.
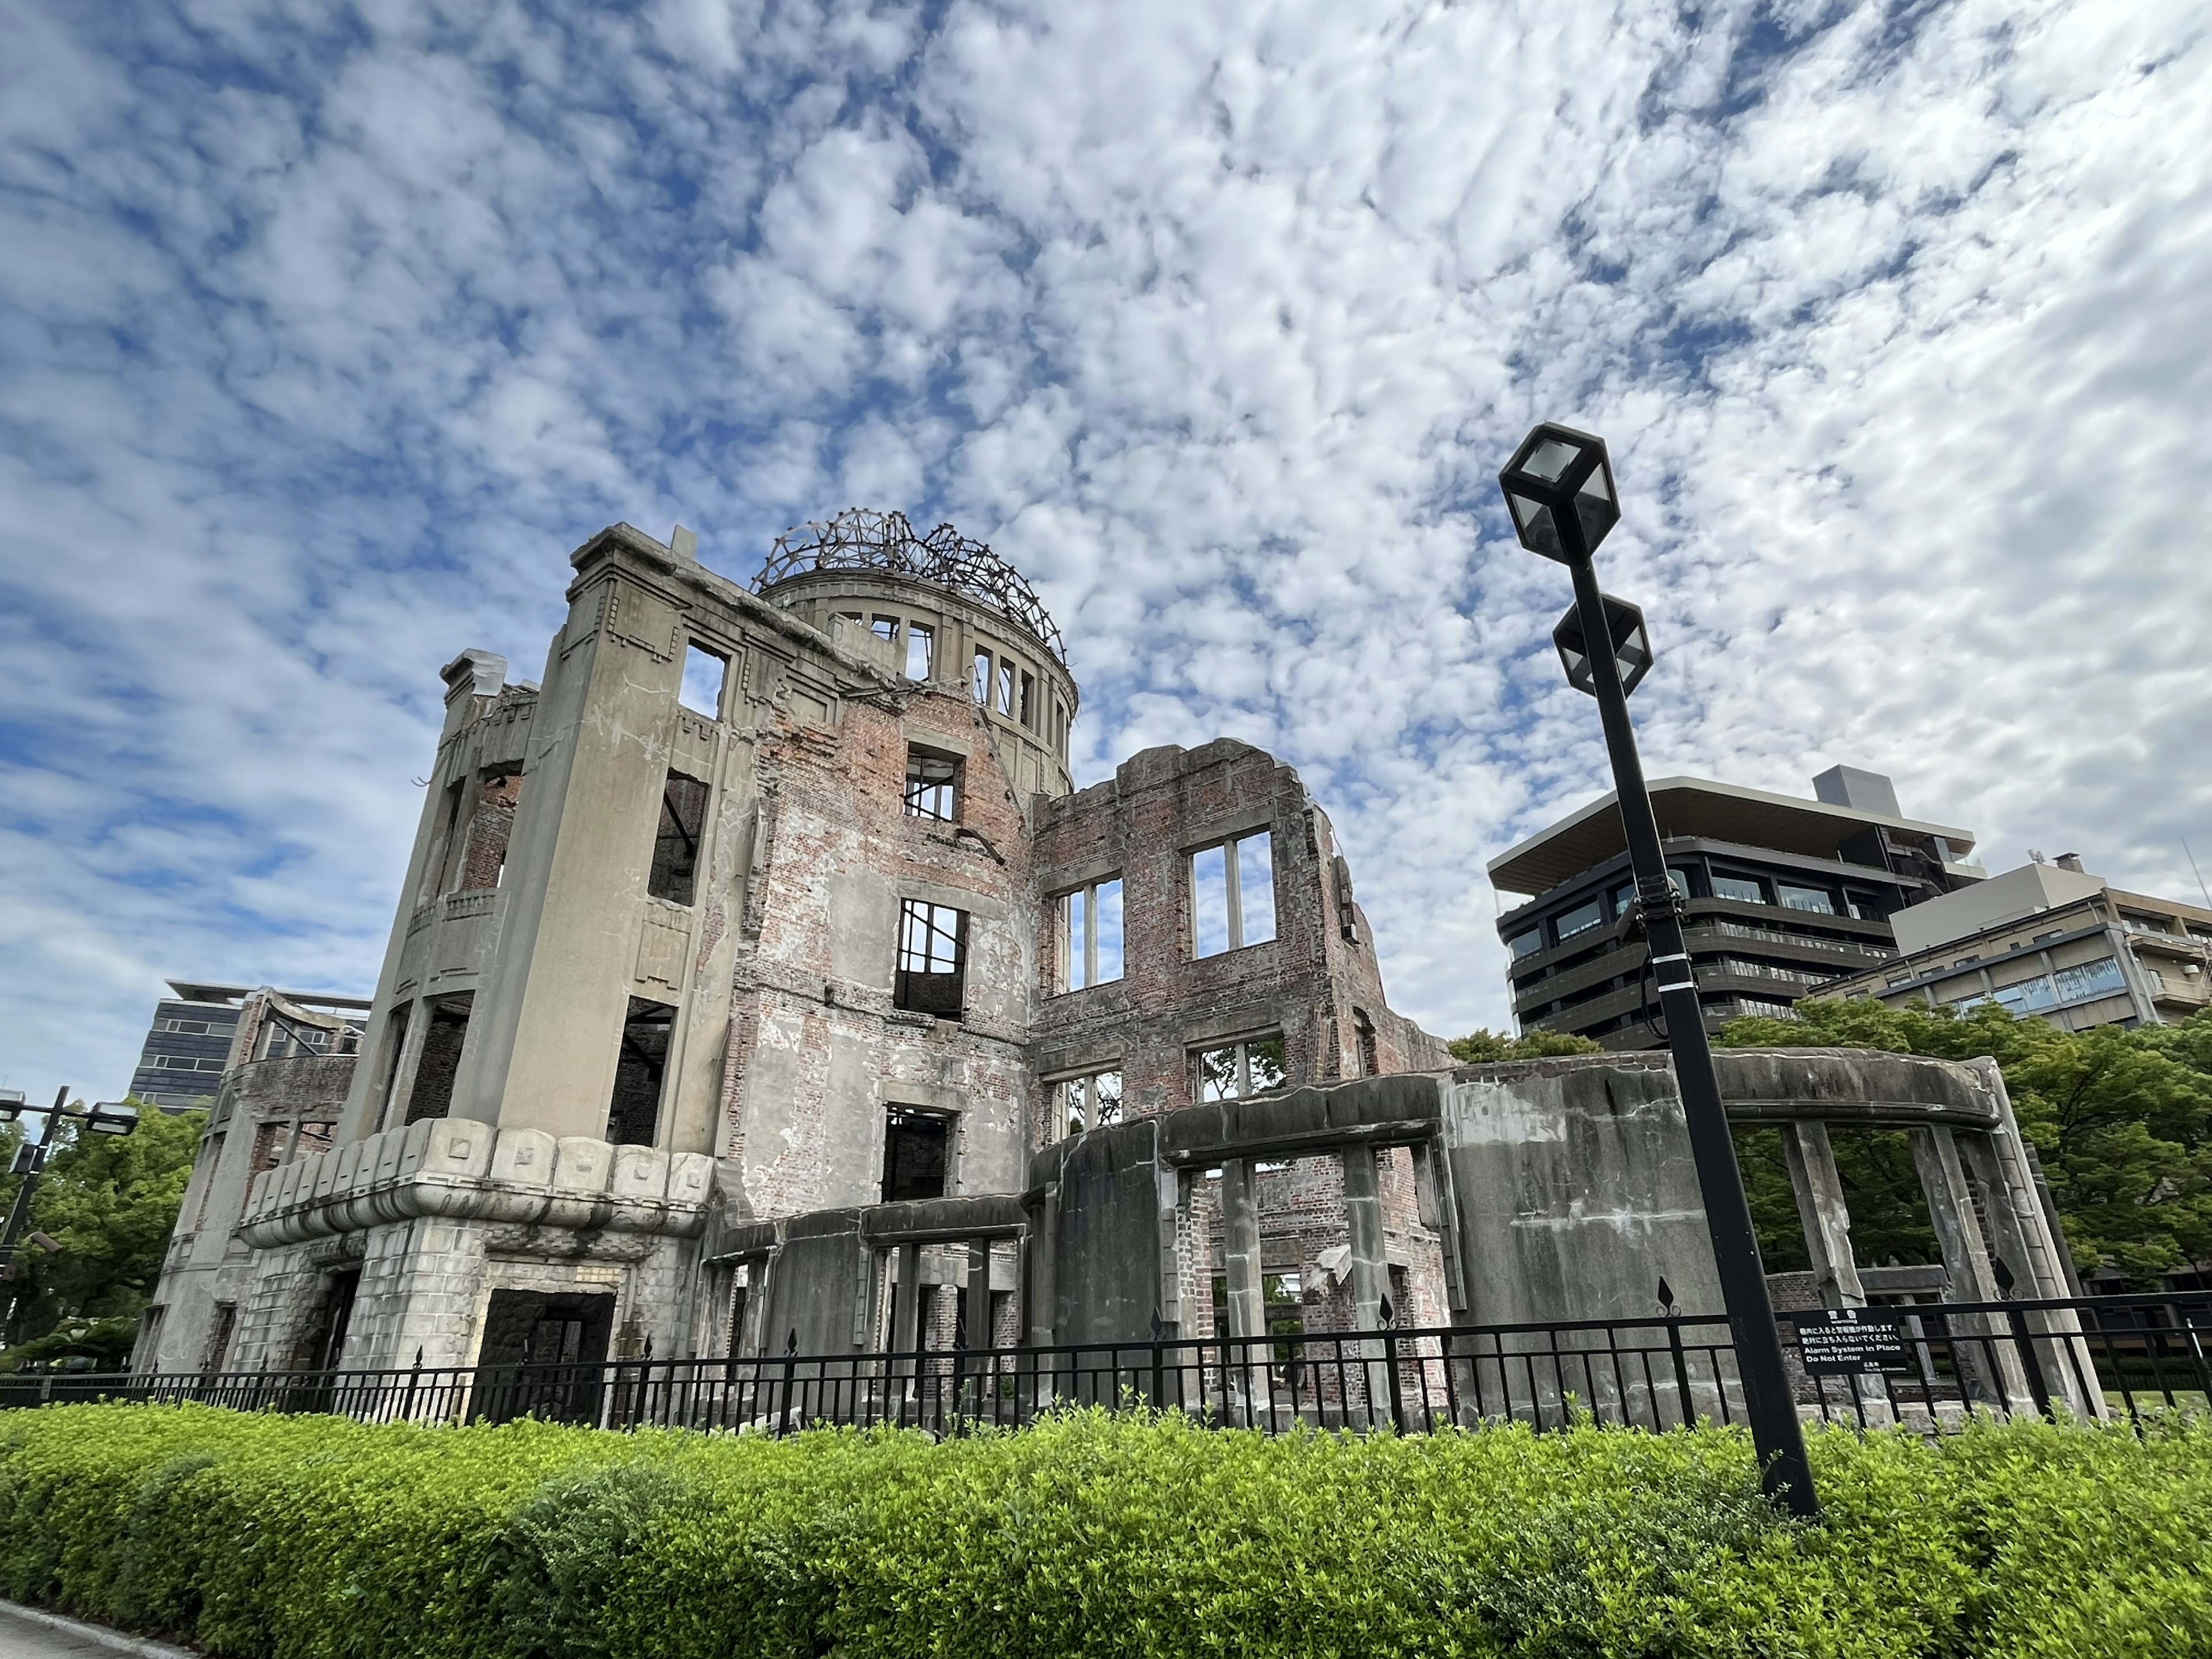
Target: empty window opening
{"x": 442, "y": 1042}
{"x": 885, "y": 628}
{"x": 1232, "y": 892}
{"x": 917, "y": 1152}
{"x": 641, "y": 1063}
{"x": 1059, "y": 726}
{"x": 983, "y": 677}
{"x": 933, "y": 784}
{"x": 675, "y": 846}
{"x": 933, "y": 955}
{"x": 443, "y": 863}
{"x": 1075, "y": 1103}
{"x": 1090, "y": 928}
{"x": 1006, "y": 704}
{"x": 1028, "y": 707}
{"x": 207, "y": 1192}
{"x": 921, "y": 642}
{"x": 1370, "y": 1064}
{"x": 1234, "y": 1070}
{"x": 705, "y": 673}
{"x": 491, "y": 827}
{"x": 395, "y": 1050}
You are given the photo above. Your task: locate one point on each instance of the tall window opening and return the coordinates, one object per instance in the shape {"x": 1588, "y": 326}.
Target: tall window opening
{"x": 885, "y": 628}
{"x": 1232, "y": 894}
{"x": 1090, "y": 928}
{"x": 395, "y": 1050}
{"x": 634, "y": 1113}
{"x": 1075, "y": 1103}
{"x": 443, "y": 1040}
{"x": 705, "y": 674}
{"x": 444, "y": 861}
{"x": 1363, "y": 1028}
{"x": 933, "y": 784}
{"x": 933, "y": 956}
{"x": 1005, "y": 702}
{"x": 1234, "y": 1070}
{"x": 491, "y": 827}
{"x": 982, "y": 685}
{"x": 1029, "y": 699}
{"x": 675, "y": 846}
{"x": 917, "y": 1153}
{"x": 921, "y": 645}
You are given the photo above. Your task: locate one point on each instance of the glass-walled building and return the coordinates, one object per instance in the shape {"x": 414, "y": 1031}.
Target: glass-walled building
{"x": 1782, "y": 895}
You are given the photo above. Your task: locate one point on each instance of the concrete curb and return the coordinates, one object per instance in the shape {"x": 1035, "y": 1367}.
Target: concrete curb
{"x": 114, "y": 1641}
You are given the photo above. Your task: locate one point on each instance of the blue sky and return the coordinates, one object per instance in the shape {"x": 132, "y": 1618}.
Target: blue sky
{"x": 326, "y": 333}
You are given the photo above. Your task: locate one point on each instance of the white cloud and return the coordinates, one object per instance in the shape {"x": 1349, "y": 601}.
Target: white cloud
{"x": 332, "y": 342}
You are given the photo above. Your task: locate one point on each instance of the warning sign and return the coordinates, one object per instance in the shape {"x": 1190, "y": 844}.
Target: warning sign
{"x": 1853, "y": 1342}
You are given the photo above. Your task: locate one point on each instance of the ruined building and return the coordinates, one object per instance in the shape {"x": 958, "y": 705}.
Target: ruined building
{"x": 778, "y": 903}
{"x": 761, "y": 986}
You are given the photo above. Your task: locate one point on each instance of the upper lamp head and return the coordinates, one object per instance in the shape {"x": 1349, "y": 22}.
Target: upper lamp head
{"x": 1559, "y": 486}
{"x": 112, "y": 1117}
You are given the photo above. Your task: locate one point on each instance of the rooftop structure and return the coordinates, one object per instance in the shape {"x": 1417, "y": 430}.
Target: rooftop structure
{"x": 190, "y": 1046}
{"x": 2051, "y": 941}
{"x": 1784, "y": 894}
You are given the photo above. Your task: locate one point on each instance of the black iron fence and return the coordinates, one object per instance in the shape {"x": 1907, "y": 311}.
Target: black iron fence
{"x": 1929, "y": 1366}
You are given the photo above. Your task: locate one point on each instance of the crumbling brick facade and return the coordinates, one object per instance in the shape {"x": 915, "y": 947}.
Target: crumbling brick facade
{"x": 755, "y": 909}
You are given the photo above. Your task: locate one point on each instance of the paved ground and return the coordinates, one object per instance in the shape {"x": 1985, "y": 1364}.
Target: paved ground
{"x": 23, "y": 1638}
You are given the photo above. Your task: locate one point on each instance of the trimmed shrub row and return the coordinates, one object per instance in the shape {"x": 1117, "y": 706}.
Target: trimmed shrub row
{"x": 316, "y": 1538}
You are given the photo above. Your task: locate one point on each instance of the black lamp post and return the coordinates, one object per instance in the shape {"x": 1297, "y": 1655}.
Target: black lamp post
{"x": 109, "y": 1117}
{"x": 1559, "y": 487}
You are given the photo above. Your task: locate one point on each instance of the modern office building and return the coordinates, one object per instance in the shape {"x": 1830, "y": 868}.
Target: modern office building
{"x": 2051, "y": 940}
{"x": 1784, "y": 895}
{"x": 188, "y": 1046}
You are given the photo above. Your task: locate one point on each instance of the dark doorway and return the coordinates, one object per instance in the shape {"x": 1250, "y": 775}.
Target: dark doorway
{"x": 542, "y": 1355}
{"x": 331, "y": 1320}
{"x": 634, "y": 1113}
{"x": 916, "y": 1148}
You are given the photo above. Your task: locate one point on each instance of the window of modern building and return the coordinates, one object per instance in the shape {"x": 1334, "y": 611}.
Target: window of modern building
{"x": 676, "y": 843}
{"x": 1231, "y": 1071}
{"x": 1232, "y": 888}
{"x": 2100, "y": 978}
{"x": 641, "y": 1068}
{"x": 917, "y": 1153}
{"x": 933, "y": 955}
{"x": 933, "y": 784}
{"x": 1817, "y": 900}
{"x": 921, "y": 648}
{"x": 1744, "y": 890}
{"x": 1868, "y": 909}
{"x": 705, "y": 674}
{"x": 443, "y": 1039}
{"x": 1526, "y": 943}
{"x": 1075, "y": 1103}
{"x": 1089, "y": 925}
{"x": 1580, "y": 920}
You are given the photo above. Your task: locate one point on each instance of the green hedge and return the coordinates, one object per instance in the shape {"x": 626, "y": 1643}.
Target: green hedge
{"x": 1092, "y": 1533}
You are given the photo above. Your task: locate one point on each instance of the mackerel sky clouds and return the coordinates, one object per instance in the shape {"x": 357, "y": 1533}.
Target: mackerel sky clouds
{"x": 327, "y": 331}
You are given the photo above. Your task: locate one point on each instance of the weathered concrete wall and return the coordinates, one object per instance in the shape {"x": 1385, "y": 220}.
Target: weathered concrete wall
{"x": 1577, "y": 1191}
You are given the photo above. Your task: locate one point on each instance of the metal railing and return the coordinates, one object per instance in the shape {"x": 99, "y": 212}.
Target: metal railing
{"x": 1930, "y": 1366}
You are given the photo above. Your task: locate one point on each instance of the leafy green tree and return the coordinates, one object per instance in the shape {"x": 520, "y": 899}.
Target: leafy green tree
{"x": 2121, "y": 1119}
{"x": 1485, "y": 1047}
{"x": 110, "y": 1201}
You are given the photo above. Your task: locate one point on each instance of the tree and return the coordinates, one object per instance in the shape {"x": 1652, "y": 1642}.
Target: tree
{"x": 1485, "y": 1047}
{"x": 110, "y": 1201}
{"x": 2121, "y": 1119}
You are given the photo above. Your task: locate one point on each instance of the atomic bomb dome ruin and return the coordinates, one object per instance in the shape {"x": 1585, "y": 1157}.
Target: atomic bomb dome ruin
{"x": 761, "y": 984}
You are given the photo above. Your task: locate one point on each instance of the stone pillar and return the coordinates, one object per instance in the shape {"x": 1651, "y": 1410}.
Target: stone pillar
{"x": 978, "y": 1333}
{"x": 1369, "y": 1262}
{"x": 1966, "y": 1258}
{"x": 906, "y": 1300}
{"x": 1040, "y": 1273}
{"x": 1823, "y": 1213}
{"x": 1240, "y": 1229}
